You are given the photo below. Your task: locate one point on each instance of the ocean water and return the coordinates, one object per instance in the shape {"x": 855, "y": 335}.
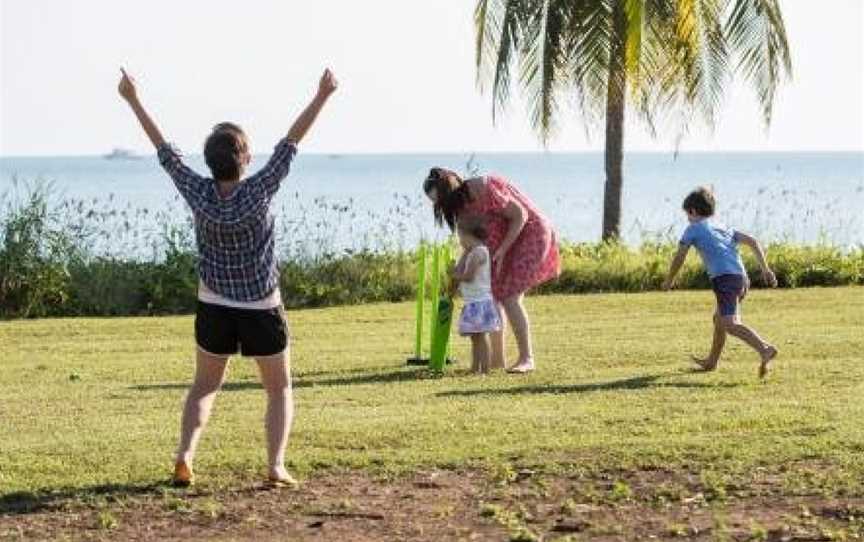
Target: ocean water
{"x": 336, "y": 202}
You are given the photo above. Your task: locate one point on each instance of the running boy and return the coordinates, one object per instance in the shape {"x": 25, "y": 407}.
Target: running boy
{"x": 718, "y": 248}
{"x": 239, "y": 304}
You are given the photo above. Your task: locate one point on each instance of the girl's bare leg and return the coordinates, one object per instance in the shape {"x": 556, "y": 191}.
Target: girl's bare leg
{"x": 479, "y": 353}
{"x": 276, "y": 379}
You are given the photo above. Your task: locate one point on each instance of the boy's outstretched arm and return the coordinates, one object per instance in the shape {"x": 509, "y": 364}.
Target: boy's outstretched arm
{"x": 677, "y": 262}
{"x": 767, "y": 274}
{"x": 127, "y": 90}
{"x": 326, "y": 87}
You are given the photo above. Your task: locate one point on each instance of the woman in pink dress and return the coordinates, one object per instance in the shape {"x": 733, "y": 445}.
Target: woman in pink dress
{"x": 522, "y": 241}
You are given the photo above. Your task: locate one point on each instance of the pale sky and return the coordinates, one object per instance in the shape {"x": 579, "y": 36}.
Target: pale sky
{"x": 405, "y": 68}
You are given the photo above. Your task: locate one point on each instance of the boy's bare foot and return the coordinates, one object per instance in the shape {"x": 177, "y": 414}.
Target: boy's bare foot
{"x": 768, "y": 356}
{"x": 183, "y": 476}
{"x": 522, "y": 366}
{"x": 278, "y": 477}
{"x": 704, "y": 363}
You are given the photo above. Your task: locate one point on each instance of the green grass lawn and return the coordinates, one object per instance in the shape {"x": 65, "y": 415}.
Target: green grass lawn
{"x": 85, "y": 402}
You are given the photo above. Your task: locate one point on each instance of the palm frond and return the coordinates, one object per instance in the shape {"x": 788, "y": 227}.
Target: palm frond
{"x": 703, "y": 55}
{"x": 635, "y": 12}
{"x": 756, "y": 33}
{"x": 654, "y": 58}
{"x": 543, "y": 63}
{"x": 481, "y": 26}
{"x": 588, "y": 45}
{"x": 498, "y": 25}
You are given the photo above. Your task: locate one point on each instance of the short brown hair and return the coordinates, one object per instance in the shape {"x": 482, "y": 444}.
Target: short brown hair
{"x": 474, "y": 227}
{"x": 224, "y": 151}
{"x": 701, "y": 201}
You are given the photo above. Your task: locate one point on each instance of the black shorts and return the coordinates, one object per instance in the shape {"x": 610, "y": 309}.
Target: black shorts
{"x": 224, "y": 330}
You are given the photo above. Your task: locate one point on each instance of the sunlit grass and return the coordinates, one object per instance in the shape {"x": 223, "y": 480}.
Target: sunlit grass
{"x": 85, "y": 402}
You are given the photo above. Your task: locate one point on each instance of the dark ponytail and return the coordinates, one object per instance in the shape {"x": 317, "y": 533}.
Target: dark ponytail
{"x": 451, "y": 195}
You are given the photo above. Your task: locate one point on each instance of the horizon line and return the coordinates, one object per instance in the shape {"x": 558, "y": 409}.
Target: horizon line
{"x": 479, "y": 152}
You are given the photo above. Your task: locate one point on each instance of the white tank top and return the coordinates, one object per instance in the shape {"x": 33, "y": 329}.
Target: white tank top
{"x": 480, "y": 288}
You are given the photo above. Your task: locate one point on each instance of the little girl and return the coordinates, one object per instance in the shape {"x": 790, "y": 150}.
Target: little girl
{"x": 473, "y": 274}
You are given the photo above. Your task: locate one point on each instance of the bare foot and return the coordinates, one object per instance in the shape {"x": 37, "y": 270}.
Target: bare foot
{"x": 522, "y": 366}
{"x": 768, "y": 356}
{"x": 704, "y": 363}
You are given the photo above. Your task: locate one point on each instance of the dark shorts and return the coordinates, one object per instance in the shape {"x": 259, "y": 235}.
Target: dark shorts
{"x": 729, "y": 290}
{"x": 225, "y": 330}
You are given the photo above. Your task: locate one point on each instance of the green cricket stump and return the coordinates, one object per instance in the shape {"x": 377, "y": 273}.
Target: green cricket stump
{"x": 418, "y": 358}
{"x": 438, "y": 334}
{"x": 441, "y": 334}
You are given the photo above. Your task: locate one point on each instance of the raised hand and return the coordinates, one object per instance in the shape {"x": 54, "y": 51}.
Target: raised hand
{"x": 328, "y": 84}
{"x": 127, "y": 88}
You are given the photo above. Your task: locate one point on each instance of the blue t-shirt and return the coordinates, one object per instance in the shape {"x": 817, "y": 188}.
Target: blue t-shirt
{"x": 717, "y": 246}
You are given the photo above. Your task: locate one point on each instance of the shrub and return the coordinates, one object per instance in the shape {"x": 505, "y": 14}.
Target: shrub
{"x": 54, "y": 262}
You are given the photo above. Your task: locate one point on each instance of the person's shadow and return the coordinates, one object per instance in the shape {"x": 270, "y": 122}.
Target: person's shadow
{"x": 632, "y": 383}
{"x": 341, "y": 378}
{"x": 31, "y": 502}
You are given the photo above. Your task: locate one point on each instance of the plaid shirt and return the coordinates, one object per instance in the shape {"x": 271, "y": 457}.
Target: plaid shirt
{"x": 234, "y": 234}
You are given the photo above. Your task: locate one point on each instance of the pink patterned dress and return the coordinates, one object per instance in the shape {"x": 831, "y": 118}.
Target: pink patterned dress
{"x": 533, "y": 259}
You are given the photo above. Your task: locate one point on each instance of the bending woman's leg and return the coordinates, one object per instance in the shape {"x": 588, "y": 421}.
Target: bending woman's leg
{"x": 515, "y": 309}
{"x": 276, "y": 379}
{"x": 209, "y": 373}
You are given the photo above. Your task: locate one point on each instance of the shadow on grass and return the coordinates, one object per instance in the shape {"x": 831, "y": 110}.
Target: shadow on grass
{"x": 634, "y": 383}
{"x": 32, "y": 502}
{"x": 228, "y": 386}
{"x": 366, "y": 377}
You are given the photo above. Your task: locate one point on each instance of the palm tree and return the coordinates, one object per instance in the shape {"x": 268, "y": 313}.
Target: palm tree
{"x": 670, "y": 59}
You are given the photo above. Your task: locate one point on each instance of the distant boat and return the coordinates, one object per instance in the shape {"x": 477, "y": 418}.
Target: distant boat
{"x": 121, "y": 154}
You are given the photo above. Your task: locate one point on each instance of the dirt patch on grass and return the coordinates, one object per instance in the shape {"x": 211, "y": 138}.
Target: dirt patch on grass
{"x": 508, "y": 504}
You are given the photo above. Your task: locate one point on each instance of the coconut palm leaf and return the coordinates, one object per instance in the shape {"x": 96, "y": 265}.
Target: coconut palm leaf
{"x": 499, "y": 32}
{"x": 544, "y": 63}
{"x": 586, "y": 48}
{"x": 756, "y": 32}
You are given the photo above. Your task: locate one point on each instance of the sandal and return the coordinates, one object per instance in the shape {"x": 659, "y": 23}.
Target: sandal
{"x": 183, "y": 476}
{"x": 286, "y": 481}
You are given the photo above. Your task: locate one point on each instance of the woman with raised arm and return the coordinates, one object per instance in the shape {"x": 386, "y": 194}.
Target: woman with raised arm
{"x": 239, "y": 303}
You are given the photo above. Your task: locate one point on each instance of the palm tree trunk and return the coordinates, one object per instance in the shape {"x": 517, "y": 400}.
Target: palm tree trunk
{"x": 616, "y": 86}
